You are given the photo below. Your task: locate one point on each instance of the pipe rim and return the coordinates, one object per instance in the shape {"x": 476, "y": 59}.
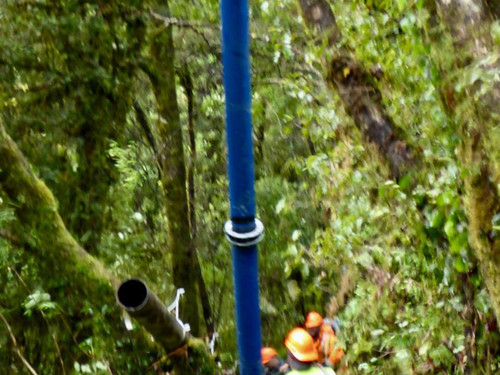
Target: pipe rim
{"x": 132, "y": 295}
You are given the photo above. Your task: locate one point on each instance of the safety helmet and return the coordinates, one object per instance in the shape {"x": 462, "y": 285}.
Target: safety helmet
{"x": 313, "y": 320}
{"x": 301, "y": 345}
{"x": 267, "y": 354}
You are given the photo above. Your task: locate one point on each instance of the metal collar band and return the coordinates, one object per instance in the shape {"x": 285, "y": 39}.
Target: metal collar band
{"x": 247, "y": 238}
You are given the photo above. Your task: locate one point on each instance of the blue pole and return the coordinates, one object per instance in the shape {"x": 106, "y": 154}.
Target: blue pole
{"x": 243, "y": 230}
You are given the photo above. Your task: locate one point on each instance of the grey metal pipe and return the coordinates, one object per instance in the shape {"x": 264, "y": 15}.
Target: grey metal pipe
{"x": 144, "y": 306}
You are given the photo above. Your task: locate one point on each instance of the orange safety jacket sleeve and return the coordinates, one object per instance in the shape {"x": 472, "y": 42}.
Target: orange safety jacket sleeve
{"x": 330, "y": 347}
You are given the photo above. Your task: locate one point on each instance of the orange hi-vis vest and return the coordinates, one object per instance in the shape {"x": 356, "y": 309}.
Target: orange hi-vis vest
{"x": 328, "y": 347}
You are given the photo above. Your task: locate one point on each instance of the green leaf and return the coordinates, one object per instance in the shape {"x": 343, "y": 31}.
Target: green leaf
{"x": 293, "y": 289}
{"x": 450, "y": 228}
{"x": 377, "y": 332}
{"x": 6, "y": 215}
{"x": 424, "y": 348}
{"x": 280, "y": 206}
{"x": 296, "y": 234}
{"x": 495, "y": 32}
{"x": 401, "y": 4}
{"x": 460, "y": 265}
{"x": 38, "y": 301}
{"x": 437, "y": 219}
{"x": 405, "y": 182}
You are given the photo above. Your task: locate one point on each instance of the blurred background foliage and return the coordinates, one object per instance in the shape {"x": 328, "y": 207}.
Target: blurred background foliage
{"x": 391, "y": 259}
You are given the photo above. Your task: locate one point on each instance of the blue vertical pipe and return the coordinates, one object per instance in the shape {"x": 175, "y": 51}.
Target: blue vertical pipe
{"x": 236, "y": 68}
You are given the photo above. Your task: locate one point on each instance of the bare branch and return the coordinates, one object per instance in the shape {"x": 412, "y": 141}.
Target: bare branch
{"x": 172, "y": 21}
{"x": 195, "y": 26}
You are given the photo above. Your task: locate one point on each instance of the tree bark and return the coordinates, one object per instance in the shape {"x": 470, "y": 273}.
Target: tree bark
{"x": 174, "y": 180}
{"x": 468, "y": 22}
{"x": 187, "y": 83}
{"x": 494, "y": 8}
{"x": 319, "y": 17}
{"x": 361, "y": 98}
{"x": 482, "y": 204}
{"x": 42, "y": 228}
{"x": 70, "y": 274}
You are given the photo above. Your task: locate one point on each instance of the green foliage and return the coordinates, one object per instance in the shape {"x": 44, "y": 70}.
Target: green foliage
{"x": 38, "y": 301}
{"x": 71, "y": 73}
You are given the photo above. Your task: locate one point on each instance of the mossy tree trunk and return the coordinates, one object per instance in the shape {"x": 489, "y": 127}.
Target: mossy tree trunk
{"x": 161, "y": 71}
{"x": 469, "y": 23}
{"x": 74, "y": 277}
{"x": 41, "y": 228}
{"x": 71, "y": 275}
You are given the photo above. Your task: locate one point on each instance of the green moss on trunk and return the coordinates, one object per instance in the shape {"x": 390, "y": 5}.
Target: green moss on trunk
{"x": 173, "y": 178}
{"x": 468, "y": 23}
{"x": 483, "y": 204}
{"x": 42, "y": 228}
{"x": 74, "y": 277}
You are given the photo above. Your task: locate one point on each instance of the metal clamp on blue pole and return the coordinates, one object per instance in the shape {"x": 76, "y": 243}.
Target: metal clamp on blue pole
{"x": 243, "y": 230}
{"x": 244, "y": 239}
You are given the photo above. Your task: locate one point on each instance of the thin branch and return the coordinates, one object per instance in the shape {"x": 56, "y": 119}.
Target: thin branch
{"x": 142, "y": 120}
{"x": 57, "y": 348}
{"x": 172, "y": 21}
{"x": 192, "y": 25}
{"x": 16, "y": 349}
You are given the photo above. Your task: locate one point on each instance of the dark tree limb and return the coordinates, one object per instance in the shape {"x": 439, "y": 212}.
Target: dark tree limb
{"x": 494, "y": 8}
{"x": 320, "y": 19}
{"x": 141, "y": 117}
{"x": 363, "y": 102}
{"x": 143, "y": 121}
{"x": 187, "y": 83}
{"x": 192, "y": 25}
{"x": 361, "y": 98}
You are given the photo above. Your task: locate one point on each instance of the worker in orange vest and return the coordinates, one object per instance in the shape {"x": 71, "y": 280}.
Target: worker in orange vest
{"x": 325, "y": 340}
{"x": 302, "y": 355}
{"x": 273, "y": 364}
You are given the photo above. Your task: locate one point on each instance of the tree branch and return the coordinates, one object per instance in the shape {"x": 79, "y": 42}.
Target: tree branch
{"x": 195, "y": 26}
{"x": 16, "y": 349}
{"x": 172, "y": 21}
{"x": 187, "y": 83}
{"x": 361, "y": 98}
{"x": 142, "y": 120}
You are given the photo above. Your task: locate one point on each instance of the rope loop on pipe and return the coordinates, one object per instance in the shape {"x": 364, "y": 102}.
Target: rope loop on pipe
{"x": 244, "y": 239}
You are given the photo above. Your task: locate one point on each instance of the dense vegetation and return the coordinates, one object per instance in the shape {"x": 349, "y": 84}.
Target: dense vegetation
{"x": 376, "y": 133}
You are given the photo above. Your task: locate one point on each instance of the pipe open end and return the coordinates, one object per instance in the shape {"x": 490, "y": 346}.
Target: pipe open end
{"x": 132, "y": 294}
